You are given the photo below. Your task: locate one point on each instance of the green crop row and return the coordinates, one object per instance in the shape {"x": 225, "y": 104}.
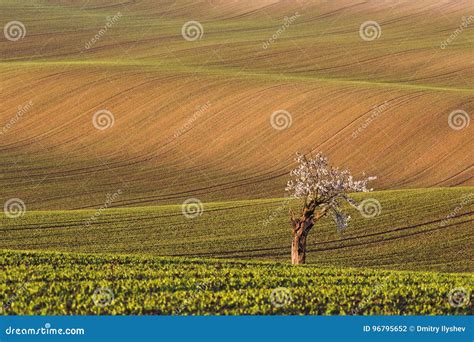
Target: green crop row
{"x": 60, "y": 283}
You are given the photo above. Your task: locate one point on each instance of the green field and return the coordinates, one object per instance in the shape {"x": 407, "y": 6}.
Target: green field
{"x": 179, "y": 265}
{"x": 61, "y": 283}
{"x": 407, "y": 234}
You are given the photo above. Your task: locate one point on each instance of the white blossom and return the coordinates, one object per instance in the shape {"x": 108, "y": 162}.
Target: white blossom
{"x": 324, "y": 186}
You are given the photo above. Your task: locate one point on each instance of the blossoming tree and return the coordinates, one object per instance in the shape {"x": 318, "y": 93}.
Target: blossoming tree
{"x": 323, "y": 188}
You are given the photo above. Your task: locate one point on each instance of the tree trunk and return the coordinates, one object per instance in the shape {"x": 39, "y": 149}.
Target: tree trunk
{"x": 300, "y": 231}
{"x": 301, "y": 228}
{"x": 298, "y": 250}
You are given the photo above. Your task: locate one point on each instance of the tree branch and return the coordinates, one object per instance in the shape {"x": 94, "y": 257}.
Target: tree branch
{"x": 293, "y": 219}
{"x": 321, "y": 213}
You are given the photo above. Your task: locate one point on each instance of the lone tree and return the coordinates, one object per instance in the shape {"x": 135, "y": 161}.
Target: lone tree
{"x": 323, "y": 188}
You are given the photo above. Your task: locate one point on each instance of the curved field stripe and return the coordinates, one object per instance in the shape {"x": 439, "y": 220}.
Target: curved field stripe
{"x": 411, "y": 226}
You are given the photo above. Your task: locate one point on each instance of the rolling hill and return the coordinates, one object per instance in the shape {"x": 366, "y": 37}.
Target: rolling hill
{"x": 193, "y": 118}
{"x": 414, "y": 230}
